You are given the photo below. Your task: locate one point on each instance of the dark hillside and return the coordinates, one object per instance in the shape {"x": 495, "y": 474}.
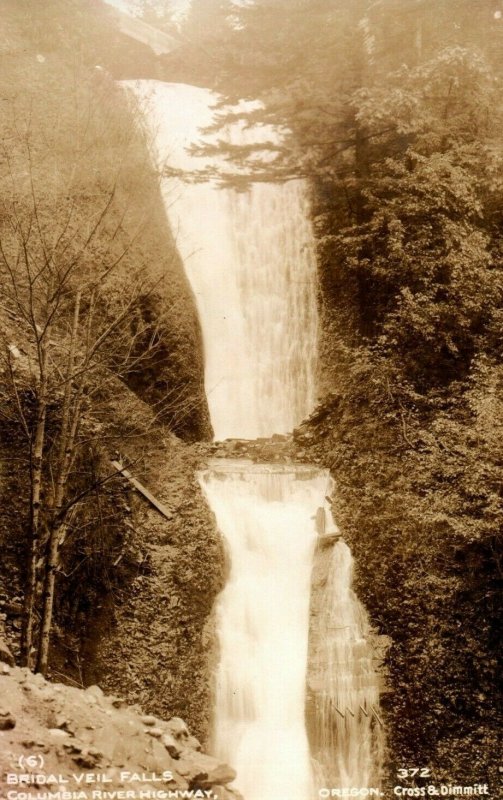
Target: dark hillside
{"x": 85, "y": 238}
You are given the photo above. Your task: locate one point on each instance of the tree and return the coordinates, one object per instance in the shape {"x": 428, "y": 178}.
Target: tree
{"x": 304, "y": 60}
{"x": 423, "y": 243}
{"x": 75, "y": 284}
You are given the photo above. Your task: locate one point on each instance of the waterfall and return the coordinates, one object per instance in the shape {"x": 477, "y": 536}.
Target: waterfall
{"x": 266, "y": 514}
{"x": 249, "y": 257}
{"x": 346, "y": 736}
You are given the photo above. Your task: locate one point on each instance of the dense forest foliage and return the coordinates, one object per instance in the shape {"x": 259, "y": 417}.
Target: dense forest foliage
{"x": 392, "y": 111}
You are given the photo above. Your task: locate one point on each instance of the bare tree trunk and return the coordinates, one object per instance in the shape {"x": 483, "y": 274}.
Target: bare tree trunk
{"x": 70, "y": 416}
{"x": 66, "y": 428}
{"x": 57, "y": 535}
{"x": 36, "y": 470}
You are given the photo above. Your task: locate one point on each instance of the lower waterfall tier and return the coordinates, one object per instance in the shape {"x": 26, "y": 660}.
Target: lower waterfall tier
{"x": 266, "y": 514}
{"x": 271, "y": 517}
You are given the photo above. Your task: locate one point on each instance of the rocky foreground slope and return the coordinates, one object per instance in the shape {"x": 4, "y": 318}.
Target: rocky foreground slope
{"x": 63, "y": 743}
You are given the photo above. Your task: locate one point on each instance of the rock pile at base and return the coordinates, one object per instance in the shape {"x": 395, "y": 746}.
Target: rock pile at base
{"x": 86, "y": 742}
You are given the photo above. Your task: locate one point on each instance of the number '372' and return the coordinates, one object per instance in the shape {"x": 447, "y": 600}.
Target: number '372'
{"x": 412, "y": 772}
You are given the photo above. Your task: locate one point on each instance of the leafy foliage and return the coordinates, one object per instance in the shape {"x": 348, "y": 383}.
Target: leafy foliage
{"x": 392, "y": 112}
{"x": 410, "y": 428}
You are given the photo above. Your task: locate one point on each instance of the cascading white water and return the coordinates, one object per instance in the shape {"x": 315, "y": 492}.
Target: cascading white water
{"x": 266, "y": 514}
{"x": 249, "y": 257}
{"x": 347, "y": 738}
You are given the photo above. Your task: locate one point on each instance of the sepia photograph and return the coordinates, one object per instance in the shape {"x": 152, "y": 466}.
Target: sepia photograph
{"x": 251, "y": 399}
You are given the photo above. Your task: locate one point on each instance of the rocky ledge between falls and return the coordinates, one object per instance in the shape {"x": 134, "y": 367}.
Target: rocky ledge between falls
{"x": 278, "y": 448}
{"x": 63, "y": 743}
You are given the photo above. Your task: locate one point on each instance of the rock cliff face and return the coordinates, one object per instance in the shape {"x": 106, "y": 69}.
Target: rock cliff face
{"x": 82, "y": 740}
{"x": 153, "y": 637}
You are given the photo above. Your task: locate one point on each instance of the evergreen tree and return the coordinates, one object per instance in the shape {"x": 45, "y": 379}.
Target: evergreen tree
{"x": 392, "y": 111}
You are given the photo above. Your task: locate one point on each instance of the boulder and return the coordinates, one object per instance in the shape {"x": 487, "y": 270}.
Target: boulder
{"x": 148, "y": 719}
{"x": 7, "y": 720}
{"x": 171, "y": 745}
{"x": 106, "y": 740}
{"x": 155, "y": 757}
{"x": 203, "y": 771}
{"x": 118, "y": 702}
{"x": 58, "y": 733}
{"x": 95, "y": 694}
{"x": 178, "y": 728}
{"x": 155, "y": 732}
{"x": 222, "y": 774}
{"x": 193, "y": 743}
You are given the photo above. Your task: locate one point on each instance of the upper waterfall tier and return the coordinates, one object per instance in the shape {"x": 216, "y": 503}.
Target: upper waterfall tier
{"x": 249, "y": 256}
